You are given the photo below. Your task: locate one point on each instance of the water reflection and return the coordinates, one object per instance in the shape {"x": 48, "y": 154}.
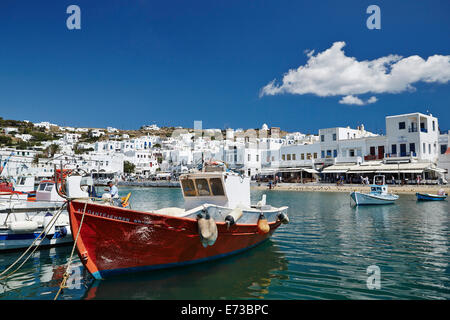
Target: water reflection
{"x": 248, "y": 275}
{"x": 41, "y": 275}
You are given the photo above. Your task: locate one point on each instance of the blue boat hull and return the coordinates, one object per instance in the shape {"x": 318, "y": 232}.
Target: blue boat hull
{"x": 429, "y": 197}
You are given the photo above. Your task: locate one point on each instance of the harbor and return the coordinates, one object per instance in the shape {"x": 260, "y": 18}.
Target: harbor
{"x": 219, "y": 203}
{"x": 322, "y": 253}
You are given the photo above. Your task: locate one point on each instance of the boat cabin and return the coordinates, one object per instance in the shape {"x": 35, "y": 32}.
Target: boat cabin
{"x": 379, "y": 185}
{"x": 225, "y": 189}
{"x": 25, "y": 184}
{"x": 46, "y": 191}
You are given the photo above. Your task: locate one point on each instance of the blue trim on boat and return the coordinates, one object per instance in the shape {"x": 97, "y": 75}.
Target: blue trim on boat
{"x": 430, "y": 197}
{"x": 106, "y": 273}
{"x": 30, "y": 236}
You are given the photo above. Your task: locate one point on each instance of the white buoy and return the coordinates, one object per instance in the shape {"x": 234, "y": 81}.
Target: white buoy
{"x": 283, "y": 217}
{"x": 233, "y": 216}
{"x": 207, "y": 229}
{"x": 23, "y": 226}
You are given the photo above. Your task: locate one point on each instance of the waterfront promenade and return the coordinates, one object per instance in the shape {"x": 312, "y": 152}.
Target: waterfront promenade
{"x": 324, "y": 187}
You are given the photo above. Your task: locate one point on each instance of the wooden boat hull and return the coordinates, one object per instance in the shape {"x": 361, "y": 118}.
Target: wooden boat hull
{"x": 430, "y": 197}
{"x": 370, "y": 199}
{"x": 116, "y": 240}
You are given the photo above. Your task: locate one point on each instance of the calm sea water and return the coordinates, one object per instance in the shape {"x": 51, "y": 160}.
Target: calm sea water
{"x": 323, "y": 253}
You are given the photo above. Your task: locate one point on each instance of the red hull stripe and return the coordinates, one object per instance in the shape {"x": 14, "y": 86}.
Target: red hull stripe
{"x": 107, "y": 273}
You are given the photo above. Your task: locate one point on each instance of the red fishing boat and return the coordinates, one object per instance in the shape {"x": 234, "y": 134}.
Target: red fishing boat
{"x": 216, "y": 221}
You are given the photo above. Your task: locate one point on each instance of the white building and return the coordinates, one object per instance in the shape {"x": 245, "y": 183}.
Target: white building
{"x": 45, "y": 124}
{"x": 412, "y": 135}
{"x": 444, "y": 154}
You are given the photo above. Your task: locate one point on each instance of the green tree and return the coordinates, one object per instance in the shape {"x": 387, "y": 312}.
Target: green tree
{"x": 52, "y": 149}
{"x": 128, "y": 167}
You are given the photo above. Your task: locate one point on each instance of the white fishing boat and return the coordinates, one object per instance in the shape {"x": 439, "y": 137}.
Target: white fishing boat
{"x": 22, "y": 221}
{"x": 378, "y": 194}
{"x": 21, "y": 189}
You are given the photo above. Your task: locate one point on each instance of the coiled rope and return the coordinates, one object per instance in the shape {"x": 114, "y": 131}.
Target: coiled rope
{"x": 66, "y": 273}
{"x": 45, "y": 230}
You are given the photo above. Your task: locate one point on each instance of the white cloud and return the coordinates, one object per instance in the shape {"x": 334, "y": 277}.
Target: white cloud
{"x": 372, "y": 99}
{"x": 350, "y": 99}
{"x": 332, "y": 73}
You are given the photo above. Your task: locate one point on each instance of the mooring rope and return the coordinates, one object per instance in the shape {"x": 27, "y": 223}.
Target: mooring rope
{"x": 66, "y": 273}
{"x": 49, "y": 226}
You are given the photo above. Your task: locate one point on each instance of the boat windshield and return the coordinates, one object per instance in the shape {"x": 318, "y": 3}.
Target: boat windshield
{"x": 188, "y": 187}
{"x": 376, "y": 189}
{"x": 216, "y": 186}
{"x": 202, "y": 187}
{"x": 42, "y": 186}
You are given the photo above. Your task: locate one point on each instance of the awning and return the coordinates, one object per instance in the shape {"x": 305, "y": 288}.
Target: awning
{"x": 337, "y": 168}
{"x": 438, "y": 170}
{"x": 310, "y": 170}
{"x": 399, "y": 171}
{"x": 335, "y": 171}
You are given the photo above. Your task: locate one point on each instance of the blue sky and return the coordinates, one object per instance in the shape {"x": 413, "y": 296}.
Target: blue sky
{"x": 173, "y": 62}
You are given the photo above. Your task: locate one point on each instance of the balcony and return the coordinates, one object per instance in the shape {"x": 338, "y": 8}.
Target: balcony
{"x": 372, "y": 157}
{"x": 401, "y": 154}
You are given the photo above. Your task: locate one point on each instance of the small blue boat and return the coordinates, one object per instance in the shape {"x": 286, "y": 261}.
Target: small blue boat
{"x": 430, "y": 197}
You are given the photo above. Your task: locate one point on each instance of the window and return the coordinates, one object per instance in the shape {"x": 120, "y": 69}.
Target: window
{"x": 412, "y": 148}
{"x": 352, "y": 152}
{"x": 424, "y": 148}
{"x": 322, "y": 153}
{"x": 434, "y": 126}
{"x": 328, "y": 153}
{"x": 289, "y": 157}
{"x": 257, "y": 157}
{"x": 249, "y": 157}
{"x": 188, "y": 187}
{"x": 394, "y": 149}
{"x": 322, "y": 138}
{"x": 303, "y": 156}
{"x": 443, "y": 148}
{"x": 334, "y": 153}
{"x": 202, "y": 187}
{"x": 429, "y": 148}
{"x": 401, "y": 125}
{"x": 42, "y": 186}
{"x": 334, "y": 136}
{"x": 293, "y": 156}
{"x": 216, "y": 186}
{"x": 372, "y": 151}
{"x": 315, "y": 155}
{"x": 283, "y": 157}
{"x": 308, "y": 156}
